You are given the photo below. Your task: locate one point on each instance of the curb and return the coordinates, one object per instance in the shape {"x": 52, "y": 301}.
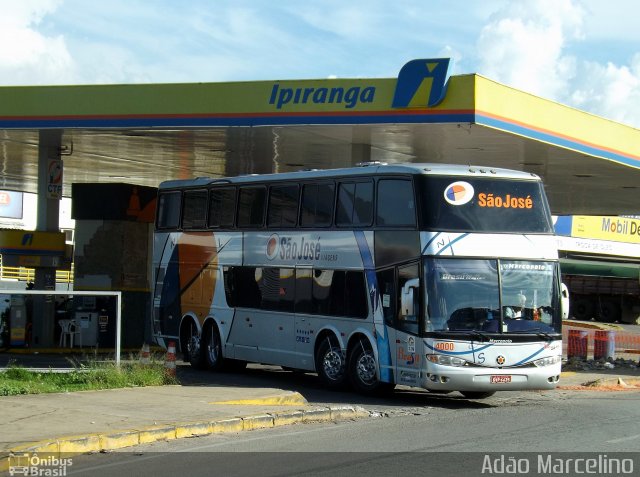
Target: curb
{"x": 290, "y": 399}
{"x": 58, "y": 447}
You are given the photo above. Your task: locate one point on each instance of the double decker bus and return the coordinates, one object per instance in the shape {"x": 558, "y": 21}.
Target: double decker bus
{"x": 427, "y": 275}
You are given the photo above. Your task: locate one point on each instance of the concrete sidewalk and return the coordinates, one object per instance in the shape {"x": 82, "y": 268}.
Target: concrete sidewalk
{"x": 91, "y": 421}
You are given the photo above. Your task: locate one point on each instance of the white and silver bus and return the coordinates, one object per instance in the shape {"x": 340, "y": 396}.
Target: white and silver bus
{"x": 428, "y": 275}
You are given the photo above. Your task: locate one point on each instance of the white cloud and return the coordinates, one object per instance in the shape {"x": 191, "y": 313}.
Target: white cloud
{"x": 25, "y": 11}
{"x": 346, "y": 21}
{"x": 523, "y": 43}
{"x": 27, "y": 55}
{"x": 611, "y": 91}
{"x": 527, "y": 45}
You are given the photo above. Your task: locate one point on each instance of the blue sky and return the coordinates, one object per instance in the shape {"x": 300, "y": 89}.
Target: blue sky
{"x": 584, "y": 53}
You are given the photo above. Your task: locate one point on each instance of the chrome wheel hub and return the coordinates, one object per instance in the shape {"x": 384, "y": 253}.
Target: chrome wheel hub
{"x": 366, "y": 368}
{"x": 333, "y": 364}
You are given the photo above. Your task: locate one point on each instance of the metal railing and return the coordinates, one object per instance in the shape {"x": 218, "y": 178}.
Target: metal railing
{"x": 25, "y": 274}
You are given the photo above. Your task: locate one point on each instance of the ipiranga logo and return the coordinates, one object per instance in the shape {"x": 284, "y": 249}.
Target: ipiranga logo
{"x": 349, "y": 97}
{"x": 421, "y": 83}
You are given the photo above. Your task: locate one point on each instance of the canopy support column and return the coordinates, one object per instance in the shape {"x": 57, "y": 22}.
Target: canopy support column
{"x": 49, "y": 175}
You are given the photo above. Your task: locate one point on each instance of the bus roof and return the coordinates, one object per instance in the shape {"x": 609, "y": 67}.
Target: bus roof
{"x": 365, "y": 169}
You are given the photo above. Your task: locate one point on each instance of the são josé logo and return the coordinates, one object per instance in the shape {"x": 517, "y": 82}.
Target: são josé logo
{"x": 272, "y": 247}
{"x": 293, "y": 248}
{"x": 458, "y": 193}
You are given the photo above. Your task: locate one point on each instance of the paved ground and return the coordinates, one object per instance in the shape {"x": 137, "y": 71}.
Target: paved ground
{"x": 100, "y": 420}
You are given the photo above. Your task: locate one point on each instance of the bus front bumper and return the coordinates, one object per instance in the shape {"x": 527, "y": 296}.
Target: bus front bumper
{"x": 451, "y": 378}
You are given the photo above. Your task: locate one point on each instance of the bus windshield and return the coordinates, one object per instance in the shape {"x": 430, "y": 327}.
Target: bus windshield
{"x": 490, "y": 295}
{"x": 483, "y": 205}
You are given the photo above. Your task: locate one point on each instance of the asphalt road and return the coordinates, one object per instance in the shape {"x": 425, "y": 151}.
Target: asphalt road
{"x": 409, "y": 431}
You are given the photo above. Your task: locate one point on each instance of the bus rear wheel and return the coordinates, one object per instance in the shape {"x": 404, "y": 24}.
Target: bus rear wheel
{"x": 212, "y": 348}
{"x": 363, "y": 371}
{"x": 192, "y": 349}
{"x": 330, "y": 363}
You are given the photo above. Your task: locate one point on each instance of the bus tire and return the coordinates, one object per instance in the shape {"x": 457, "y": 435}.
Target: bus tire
{"x": 330, "y": 363}
{"x": 363, "y": 371}
{"x": 212, "y": 348}
{"x": 477, "y": 394}
{"x": 192, "y": 349}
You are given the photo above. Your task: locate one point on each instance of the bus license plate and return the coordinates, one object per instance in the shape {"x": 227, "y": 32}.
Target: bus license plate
{"x": 500, "y": 379}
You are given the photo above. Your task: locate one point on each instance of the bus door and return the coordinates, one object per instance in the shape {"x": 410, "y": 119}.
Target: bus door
{"x": 263, "y": 327}
{"x": 274, "y": 322}
{"x": 244, "y": 334}
{"x": 400, "y": 296}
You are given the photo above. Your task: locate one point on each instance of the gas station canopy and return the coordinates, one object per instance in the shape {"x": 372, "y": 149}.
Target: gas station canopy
{"x": 144, "y": 134}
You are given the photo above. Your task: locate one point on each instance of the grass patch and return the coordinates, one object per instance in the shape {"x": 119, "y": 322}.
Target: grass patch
{"x": 16, "y": 380}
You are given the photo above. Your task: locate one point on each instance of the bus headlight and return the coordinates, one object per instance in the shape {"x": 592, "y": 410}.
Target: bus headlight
{"x": 446, "y": 360}
{"x": 548, "y": 361}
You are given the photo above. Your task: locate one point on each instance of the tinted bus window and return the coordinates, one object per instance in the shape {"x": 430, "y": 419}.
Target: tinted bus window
{"x": 194, "y": 213}
{"x": 321, "y": 292}
{"x": 169, "y": 210}
{"x": 283, "y": 206}
{"x": 277, "y": 288}
{"x": 251, "y": 204}
{"x": 396, "y": 204}
{"x": 317, "y": 205}
{"x": 355, "y": 204}
{"x": 222, "y": 207}
{"x": 304, "y": 280}
{"x": 483, "y": 205}
{"x": 241, "y": 287}
{"x": 339, "y": 293}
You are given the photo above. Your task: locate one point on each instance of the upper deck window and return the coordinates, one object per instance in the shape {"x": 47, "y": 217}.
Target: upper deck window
{"x": 251, "y": 206}
{"x": 489, "y": 205}
{"x": 283, "y": 206}
{"x": 194, "y": 214}
{"x": 396, "y": 203}
{"x": 169, "y": 204}
{"x": 222, "y": 207}
{"x": 317, "y": 204}
{"x": 355, "y": 204}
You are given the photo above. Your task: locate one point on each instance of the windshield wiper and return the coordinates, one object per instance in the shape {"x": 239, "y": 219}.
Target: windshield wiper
{"x": 537, "y": 331}
{"x": 546, "y": 336}
{"x": 479, "y": 334}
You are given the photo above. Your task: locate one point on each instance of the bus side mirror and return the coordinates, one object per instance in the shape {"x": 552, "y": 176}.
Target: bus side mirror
{"x": 564, "y": 301}
{"x": 408, "y": 297}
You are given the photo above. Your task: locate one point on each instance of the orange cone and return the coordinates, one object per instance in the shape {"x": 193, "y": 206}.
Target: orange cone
{"x": 170, "y": 361}
{"x": 145, "y": 355}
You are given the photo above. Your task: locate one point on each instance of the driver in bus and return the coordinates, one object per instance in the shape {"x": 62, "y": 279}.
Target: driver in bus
{"x": 515, "y": 312}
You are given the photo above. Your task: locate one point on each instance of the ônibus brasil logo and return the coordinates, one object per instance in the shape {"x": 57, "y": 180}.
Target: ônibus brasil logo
{"x": 458, "y": 193}
{"x": 290, "y": 248}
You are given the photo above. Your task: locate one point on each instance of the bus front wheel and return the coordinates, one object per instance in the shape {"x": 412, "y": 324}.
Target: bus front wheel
{"x": 363, "y": 371}
{"x": 330, "y": 363}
